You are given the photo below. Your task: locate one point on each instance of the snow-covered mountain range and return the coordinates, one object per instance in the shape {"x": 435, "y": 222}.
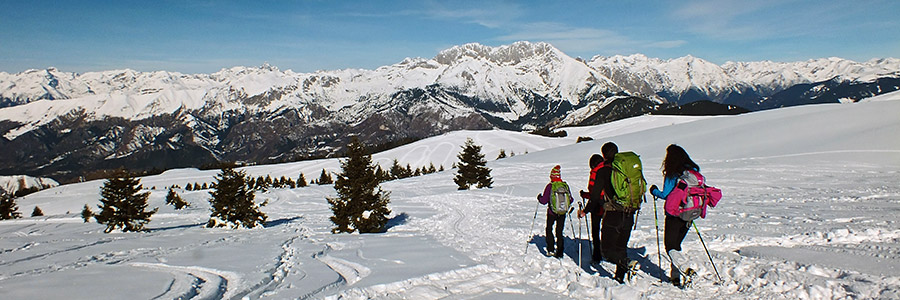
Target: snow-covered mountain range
{"x": 60, "y": 124}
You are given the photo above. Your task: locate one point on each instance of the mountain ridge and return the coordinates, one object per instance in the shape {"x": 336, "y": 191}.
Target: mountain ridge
{"x": 73, "y": 122}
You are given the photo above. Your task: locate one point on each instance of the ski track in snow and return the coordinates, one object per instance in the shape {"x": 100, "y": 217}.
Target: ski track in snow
{"x": 196, "y": 282}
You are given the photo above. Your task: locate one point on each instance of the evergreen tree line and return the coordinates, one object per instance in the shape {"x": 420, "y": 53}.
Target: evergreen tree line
{"x": 503, "y": 155}
{"x": 123, "y": 204}
{"x": 399, "y": 172}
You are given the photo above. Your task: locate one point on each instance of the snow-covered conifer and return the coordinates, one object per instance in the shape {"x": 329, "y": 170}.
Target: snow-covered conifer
{"x": 471, "y": 167}
{"x": 361, "y": 204}
{"x": 232, "y": 202}
{"x": 123, "y": 205}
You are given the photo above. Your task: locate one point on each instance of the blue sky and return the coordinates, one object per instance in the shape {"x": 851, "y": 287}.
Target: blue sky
{"x": 305, "y": 36}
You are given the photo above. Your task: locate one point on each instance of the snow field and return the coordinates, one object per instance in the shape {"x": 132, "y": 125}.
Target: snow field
{"x": 809, "y": 212}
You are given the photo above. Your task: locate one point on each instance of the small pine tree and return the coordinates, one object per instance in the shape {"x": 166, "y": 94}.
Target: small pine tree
{"x": 472, "y": 169}
{"x": 261, "y": 184}
{"x": 441, "y": 169}
{"x": 381, "y": 174}
{"x": 8, "y": 208}
{"x": 189, "y": 187}
{"x": 196, "y": 186}
{"x": 204, "y": 186}
{"x": 122, "y": 204}
{"x": 37, "y": 212}
{"x": 502, "y": 154}
{"x": 174, "y": 200}
{"x": 233, "y": 203}
{"x": 361, "y": 204}
{"x": 397, "y": 172}
{"x": 325, "y": 178}
{"x": 431, "y": 168}
{"x": 301, "y": 181}
{"x": 86, "y": 213}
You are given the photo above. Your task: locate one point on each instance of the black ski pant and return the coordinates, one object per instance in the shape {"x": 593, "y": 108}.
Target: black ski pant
{"x": 595, "y": 237}
{"x": 614, "y": 235}
{"x": 675, "y": 231}
{"x": 559, "y": 241}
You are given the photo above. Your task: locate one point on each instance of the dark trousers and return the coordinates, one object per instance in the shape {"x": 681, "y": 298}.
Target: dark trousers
{"x": 614, "y": 235}
{"x": 675, "y": 231}
{"x": 559, "y": 241}
{"x": 595, "y": 237}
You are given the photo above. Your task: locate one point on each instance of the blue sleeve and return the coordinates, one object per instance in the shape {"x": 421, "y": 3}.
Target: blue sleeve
{"x": 668, "y": 186}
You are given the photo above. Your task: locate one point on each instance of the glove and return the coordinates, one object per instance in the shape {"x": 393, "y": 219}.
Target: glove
{"x": 653, "y": 187}
{"x": 585, "y": 195}
{"x": 539, "y": 197}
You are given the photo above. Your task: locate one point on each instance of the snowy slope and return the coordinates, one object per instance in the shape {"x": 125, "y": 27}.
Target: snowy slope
{"x": 12, "y": 184}
{"x": 809, "y": 213}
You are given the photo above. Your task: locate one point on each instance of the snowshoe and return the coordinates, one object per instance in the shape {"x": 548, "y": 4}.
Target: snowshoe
{"x": 631, "y": 271}
{"x": 687, "y": 279}
{"x": 552, "y": 253}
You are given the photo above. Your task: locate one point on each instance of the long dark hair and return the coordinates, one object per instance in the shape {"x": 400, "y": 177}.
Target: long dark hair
{"x": 676, "y": 161}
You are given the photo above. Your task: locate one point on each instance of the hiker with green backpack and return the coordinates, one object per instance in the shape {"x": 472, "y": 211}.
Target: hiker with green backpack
{"x": 623, "y": 186}
{"x": 559, "y": 199}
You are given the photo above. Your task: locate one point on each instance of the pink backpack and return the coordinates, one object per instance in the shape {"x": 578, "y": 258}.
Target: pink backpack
{"x": 689, "y": 198}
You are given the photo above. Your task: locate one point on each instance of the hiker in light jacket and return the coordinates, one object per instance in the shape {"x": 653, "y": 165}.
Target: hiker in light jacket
{"x": 674, "y": 164}
{"x": 555, "y": 245}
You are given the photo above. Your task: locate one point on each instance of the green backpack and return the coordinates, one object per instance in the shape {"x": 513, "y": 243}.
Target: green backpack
{"x": 628, "y": 180}
{"x": 559, "y": 197}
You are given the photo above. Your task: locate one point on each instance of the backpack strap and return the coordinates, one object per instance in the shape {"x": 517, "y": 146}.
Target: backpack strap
{"x": 701, "y": 181}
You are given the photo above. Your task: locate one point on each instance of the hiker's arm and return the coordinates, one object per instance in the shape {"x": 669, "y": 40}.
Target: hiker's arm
{"x": 545, "y": 197}
{"x": 668, "y": 186}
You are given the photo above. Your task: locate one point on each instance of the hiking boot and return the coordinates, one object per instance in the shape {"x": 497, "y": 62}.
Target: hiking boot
{"x": 675, "y": 278}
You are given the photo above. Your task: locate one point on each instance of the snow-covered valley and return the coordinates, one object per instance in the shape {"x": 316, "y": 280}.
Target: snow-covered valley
{"x": 809, "y": 212}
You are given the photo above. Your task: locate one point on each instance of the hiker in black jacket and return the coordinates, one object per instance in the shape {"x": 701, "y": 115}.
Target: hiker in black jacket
{"x": 594, "y": 206}
{"x": 617, "y": 222}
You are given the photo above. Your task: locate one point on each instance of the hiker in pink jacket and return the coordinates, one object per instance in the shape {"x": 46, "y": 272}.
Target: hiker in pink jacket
{"x": 559, "y": 200}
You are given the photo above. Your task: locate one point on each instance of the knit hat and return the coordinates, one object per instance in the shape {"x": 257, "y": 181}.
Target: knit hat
{"x": 554, "y": 173}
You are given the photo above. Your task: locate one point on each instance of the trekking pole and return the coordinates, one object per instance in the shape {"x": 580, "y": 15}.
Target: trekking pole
{"x": 531, "y": 232}
{"x": 707, "y": 252}
{"x": 587, "y": 227}
{"x": 580, "y": 240}
{"x": 572, "y": 226}
{"x": 658, "y": 254}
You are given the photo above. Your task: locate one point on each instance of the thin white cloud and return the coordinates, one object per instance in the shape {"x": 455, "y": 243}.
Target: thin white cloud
{"x": 580, "y": 39}
{"x": 740, "y": 20}
{"x": 490, "y": 14}
{"x": 666, "y": 44}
